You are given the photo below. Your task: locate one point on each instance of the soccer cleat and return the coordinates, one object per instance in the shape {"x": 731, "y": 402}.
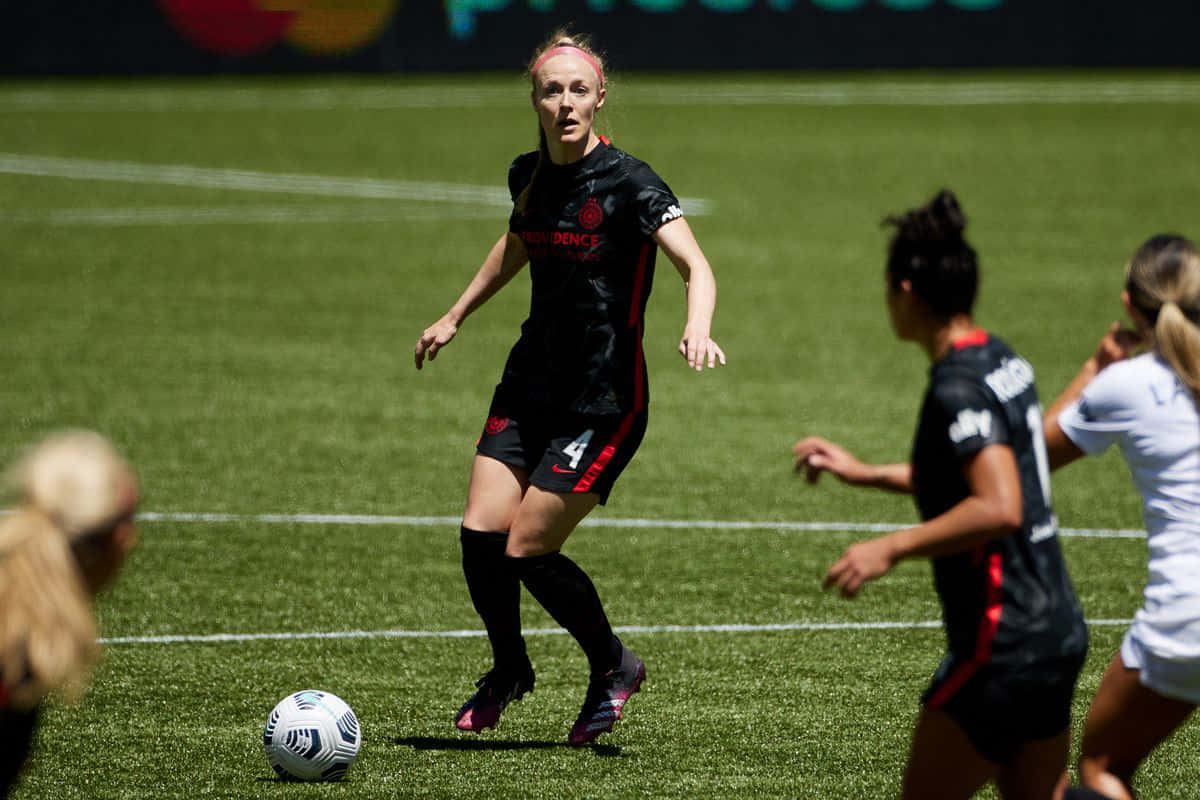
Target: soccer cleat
{"x": 606, "y": 698}
{"x": 495, "y": 691}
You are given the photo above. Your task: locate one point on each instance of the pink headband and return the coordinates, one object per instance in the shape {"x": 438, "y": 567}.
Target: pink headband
{"x": 564, "y": 50}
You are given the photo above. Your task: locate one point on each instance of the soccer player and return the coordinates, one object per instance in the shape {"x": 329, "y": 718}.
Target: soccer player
{"x": 62, "y": 545}
{"x": 571, "y": 407}
{"x": 999, "y": 705}
{"x": 1147, "y": 406}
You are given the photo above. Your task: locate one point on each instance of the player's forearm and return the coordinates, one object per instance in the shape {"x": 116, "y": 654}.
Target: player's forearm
{"x": 701, "y": 296}
{"x": 1074, "y": 389}
{"x": 970, "y": 523}
{"x": 892, "y": 477}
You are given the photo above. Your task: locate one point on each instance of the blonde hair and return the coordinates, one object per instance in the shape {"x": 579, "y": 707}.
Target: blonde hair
{"x": 72, "y": 485}
{"x": 561, "y": 37}
{"x": 1163, "y": 281}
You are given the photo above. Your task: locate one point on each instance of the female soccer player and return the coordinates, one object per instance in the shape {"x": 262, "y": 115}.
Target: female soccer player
{"x": 62, "y": 545}
{"x": 1147, "y": 406}
{"x": 570, "y": 409}
{"x": 999, "y": 705}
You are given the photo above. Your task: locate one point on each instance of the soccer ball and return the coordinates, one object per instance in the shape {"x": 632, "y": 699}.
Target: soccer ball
{"x": 311, "y": 736}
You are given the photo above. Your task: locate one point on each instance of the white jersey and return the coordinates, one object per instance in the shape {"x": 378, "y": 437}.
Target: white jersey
{"x": 1143, "y": 407}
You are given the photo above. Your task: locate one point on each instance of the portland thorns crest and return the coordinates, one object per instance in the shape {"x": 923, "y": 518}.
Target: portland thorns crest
{"x": 590, "y": 216}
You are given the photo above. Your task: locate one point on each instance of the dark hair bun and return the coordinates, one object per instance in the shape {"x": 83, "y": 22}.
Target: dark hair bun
{"x": 947, "y": 215}
{"x": 929, "y": 249}
{"x": 939, "y": 220}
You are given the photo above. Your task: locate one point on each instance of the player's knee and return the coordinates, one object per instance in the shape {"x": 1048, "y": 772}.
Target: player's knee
{"x": 489, "y": 516}
{"x": 528, "y": 543}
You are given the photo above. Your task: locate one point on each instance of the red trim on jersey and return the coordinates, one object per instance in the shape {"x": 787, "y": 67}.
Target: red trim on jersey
{"x": 635, "y": 322}
{"x": 639, "y": 283}
{"x": 605, "y": 139}
{"x": 995, "y": 605}
{"x": 639, "y": 388}
{"x": 987, "y": 634}
{"x": 593, "y": 472}
{"x": 975, "y": 338}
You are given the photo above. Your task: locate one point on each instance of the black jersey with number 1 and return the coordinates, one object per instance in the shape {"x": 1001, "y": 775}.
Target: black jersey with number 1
{"x": 1008, "y": 602}
{"x": 587, "y": 229}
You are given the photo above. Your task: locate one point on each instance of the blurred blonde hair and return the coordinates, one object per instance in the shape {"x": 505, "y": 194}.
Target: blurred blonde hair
{"x": 1163, "y": 281}
{"x": 71, "y": 485}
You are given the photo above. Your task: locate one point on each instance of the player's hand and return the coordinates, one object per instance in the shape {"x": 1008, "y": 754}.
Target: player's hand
{"x": 1117, "y": 343}
{"x": 815, "y": 455}
{"x": 698, "y": 349}
{"x": 434, "y": 338}
{"x": 862, "y": 562}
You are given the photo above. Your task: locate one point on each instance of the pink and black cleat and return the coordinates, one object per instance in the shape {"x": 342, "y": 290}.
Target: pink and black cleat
{"x": 606, "y": 697}
{"x": 495, "y": 691}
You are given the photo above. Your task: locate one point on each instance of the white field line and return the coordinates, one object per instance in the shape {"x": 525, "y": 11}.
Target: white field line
{"x": 367, "y": 519}
{"x": 598, "y": 522}
{"x": 251, "y": 180}
{"x": 641, "y": 91}
{"x": 280, "y": 182}
{"x": 241, "y": 215}
{"x": 221, "y": 638}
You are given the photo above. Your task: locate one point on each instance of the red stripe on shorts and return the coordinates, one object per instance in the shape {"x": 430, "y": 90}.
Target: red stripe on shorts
{"x": 952, "y": 684}
{"x": 593, "y": 472}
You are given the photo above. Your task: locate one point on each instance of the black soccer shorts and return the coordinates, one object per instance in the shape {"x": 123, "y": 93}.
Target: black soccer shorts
{"x": 563, "y": 451}
{"x": 1000, "y": 708}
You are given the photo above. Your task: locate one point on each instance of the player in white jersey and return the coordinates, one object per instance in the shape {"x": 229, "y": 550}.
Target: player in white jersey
{"x": 1147, "y": 406}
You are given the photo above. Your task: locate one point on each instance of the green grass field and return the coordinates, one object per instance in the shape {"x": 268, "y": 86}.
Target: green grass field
{"x": 171, "y": 278}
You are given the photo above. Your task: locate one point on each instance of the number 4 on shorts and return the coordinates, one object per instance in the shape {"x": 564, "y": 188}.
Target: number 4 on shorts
{"x": 576, "y": 448}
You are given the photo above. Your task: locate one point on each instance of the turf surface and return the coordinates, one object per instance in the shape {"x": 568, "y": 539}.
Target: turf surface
{"x": 250, "y": 348}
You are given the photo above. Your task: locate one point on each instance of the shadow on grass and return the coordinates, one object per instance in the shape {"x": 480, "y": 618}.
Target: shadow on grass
{"x": 452, "y": 743}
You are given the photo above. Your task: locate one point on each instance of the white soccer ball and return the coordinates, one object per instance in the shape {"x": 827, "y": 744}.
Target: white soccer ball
{"x": 311, "y": 736}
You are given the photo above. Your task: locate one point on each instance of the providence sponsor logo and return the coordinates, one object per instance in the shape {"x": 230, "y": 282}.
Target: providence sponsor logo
{"x": 562, "y": 238}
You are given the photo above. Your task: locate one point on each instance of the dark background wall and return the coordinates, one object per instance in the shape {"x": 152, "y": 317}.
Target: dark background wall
{"x": 119, "y": 37}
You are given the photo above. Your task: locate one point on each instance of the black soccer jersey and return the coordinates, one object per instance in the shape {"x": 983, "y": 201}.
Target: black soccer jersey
{"x": 587, "y": 228}
{"x": 1009, "y": 601}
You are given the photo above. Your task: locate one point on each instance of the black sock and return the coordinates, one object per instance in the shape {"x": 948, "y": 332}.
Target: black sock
{"x": 567, "y": 593}
{"x": 496, "y": 593}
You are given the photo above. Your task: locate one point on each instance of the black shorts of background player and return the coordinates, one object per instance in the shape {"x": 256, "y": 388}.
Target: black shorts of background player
{"x": 998, "y": 708}
{"x": 571, "y": 405}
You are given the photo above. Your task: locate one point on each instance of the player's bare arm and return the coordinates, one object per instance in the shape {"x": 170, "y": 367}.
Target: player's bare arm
{"x": 505, "y": 260}
{"x": 1118, "y": 343}
{"x": 815, "y": 455}
{"x": 679, "y": 243}
{"x": 992, "y": 509}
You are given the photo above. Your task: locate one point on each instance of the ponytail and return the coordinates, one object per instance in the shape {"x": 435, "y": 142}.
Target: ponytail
{"x": 1163, "y": 282}
{"x": 47, "y": 628}
{"x": 522, "y": 202}
{"x": 1178, "y": 340}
